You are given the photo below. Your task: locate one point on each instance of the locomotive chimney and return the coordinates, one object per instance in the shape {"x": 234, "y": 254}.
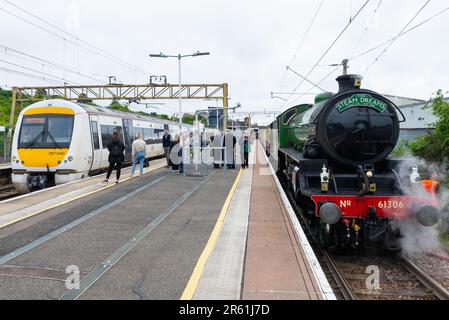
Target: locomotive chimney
{"x": 348, "y": 82}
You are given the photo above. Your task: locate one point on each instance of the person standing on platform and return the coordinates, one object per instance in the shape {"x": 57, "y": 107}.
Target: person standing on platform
{"x": 139, "y": 153}
{"x": 216, "y": 151}
{"x": 166, "y": 143}
{"x": 229, "y": 142}
{"x": 246, "y": 151}
{"x": 116, "y": 156}
{"x": 176, "y": 156}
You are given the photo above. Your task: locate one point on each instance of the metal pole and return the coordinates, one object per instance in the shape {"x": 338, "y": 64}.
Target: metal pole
{"x": 345, "y": 66}
{"x": 216, "y": 114}
{"x": 180, "y": 98}
{"x": 225, "y": 107}
{"x": 13, "y": 110}
{"x": 225, "y": 167}
{"x": 195, "y": 157}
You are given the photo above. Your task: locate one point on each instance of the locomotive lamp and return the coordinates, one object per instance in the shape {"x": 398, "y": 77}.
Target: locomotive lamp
{"x": 414, "y": 176}
{"x": 372, "y": 184}
{"x": 324, "y": 175}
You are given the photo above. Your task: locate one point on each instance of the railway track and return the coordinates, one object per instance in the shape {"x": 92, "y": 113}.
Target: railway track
{"x": 7, "y": 191}
{"x": 399, "y": 277}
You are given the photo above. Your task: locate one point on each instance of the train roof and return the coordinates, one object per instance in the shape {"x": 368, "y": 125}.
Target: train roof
{"x": 130, "y": 115}
{"x": 98, "y": 110}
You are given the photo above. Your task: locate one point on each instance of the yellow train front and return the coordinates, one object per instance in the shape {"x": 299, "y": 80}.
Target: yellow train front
{"x": 58, "y": 141}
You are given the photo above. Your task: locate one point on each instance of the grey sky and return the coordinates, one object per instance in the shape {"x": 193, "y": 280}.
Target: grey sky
{"x": 250, "y": 43}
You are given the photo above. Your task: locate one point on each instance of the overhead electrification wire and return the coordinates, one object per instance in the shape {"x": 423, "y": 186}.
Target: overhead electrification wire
{"x": 40, "y": 72}
{"x": 332, "y": 44}
{"x": 35, "y": 59}
{"x": 302, "y": 41}
{"x": 391, "y": 43}
{"x": 315, "y": 85}
{"x": 97, "y": 51}
{"x": 399, "y": 35}
{"x": 32, "y": 76}
{"x": 365, "y": 29}
{"x": 318, "y": 83}
{"x": 68, "y": 33}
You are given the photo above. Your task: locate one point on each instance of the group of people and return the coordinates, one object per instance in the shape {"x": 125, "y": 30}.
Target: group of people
{"x": 173, "y": 152}
{"x": 224, "y": 150}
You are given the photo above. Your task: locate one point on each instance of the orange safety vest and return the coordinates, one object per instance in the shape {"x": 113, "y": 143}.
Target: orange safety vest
{"x": 430, "y": 186}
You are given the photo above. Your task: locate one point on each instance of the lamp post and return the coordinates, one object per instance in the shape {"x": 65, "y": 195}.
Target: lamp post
{"x": 179, "y": 57}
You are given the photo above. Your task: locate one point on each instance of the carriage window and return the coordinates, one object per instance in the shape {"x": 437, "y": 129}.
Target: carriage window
{"x": 148, "y": 135}
{"x": 95, "y": 137}
{"x": 106, "y": 134}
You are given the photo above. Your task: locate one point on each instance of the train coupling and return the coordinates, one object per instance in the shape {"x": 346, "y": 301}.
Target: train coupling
{"x": 37, "y": 182}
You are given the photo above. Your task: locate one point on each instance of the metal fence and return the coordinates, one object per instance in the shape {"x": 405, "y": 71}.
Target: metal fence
{"x": 198, "y": 161}
{"x": 5, "y": 146}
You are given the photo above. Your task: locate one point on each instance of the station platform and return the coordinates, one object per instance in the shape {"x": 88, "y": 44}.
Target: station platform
{"x": 5, "y": 166}
{"x": 261, "y": 252}
{"x": 162, "y": 236}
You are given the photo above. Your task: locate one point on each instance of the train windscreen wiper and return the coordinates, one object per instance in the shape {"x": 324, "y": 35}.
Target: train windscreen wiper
{"x": 53, "y": 139}
{"x": 35, "y": 139}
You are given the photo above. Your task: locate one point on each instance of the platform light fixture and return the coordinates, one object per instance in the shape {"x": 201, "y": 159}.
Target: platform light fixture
{"x": 179, "y": 57}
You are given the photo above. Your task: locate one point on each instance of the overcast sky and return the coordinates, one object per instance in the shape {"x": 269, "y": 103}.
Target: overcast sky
{"x": 250, "y": 43}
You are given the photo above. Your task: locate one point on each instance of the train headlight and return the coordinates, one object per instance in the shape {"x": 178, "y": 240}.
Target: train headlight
{"x": 70, "y": 158}
{"x": 369, "y": 173}
{"x": 14, "y": 159}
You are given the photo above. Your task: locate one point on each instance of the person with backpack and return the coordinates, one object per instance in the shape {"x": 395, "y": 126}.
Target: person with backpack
{"x": 116, "y": 156}
{"x": 138, "y": 154}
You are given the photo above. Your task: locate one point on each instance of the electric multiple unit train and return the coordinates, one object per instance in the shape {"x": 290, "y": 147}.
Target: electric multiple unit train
{"x": 58, "y": 141}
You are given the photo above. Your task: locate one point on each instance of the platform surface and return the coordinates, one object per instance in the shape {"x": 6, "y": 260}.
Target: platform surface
{"x": 137, "y": 240}
{"x": 162, "y": 236}
{"x": 261, "y": 252}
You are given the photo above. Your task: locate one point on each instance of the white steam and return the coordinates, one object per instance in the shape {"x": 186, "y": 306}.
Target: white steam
{"x": 417, "y": 238}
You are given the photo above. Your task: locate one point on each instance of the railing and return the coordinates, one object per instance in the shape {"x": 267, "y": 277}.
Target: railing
{"x": 202, "y": 157}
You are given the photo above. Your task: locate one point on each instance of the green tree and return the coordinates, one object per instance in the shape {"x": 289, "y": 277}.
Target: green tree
{"x": 434, "y": 146}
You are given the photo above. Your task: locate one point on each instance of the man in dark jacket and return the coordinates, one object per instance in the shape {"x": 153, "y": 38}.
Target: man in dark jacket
{"x": 166, "y": 144}
{"x": 116, "y": 156}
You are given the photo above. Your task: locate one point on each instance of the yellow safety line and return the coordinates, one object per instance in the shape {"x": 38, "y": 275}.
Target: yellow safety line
{"x": 190, "y": 289}
{"x": 70, "y": 200}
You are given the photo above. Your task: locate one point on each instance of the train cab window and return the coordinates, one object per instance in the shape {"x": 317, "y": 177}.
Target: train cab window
{"x": 288, "y": 115}
{"x": 95, "y": 137}
{"x": 46, "y": 131}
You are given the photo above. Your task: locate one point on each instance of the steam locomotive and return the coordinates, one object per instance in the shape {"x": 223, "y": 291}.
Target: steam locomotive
{"x": 334, "y": 156}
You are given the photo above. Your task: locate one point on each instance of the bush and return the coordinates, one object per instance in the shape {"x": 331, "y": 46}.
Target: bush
{"x": 434, "y": 146}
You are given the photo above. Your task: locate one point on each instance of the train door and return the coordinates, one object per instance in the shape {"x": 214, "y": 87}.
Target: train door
{"x": 96, "y": 148}
{"x": 128, "y": 131}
